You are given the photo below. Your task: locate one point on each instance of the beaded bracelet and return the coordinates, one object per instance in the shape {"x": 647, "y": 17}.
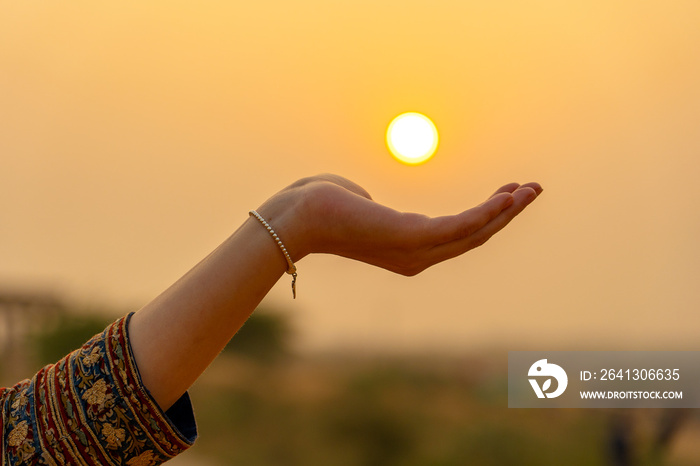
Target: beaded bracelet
{"x": 292, "y": 269}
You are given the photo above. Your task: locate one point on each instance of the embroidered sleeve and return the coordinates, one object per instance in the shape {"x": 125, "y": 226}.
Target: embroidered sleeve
{"x": 92, "y": 408}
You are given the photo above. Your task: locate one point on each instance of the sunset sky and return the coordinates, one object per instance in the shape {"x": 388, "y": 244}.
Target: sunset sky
{"x": 135, "y": 137}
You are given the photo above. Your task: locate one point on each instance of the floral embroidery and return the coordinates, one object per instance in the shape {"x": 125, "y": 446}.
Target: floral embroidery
{"x": 20, "y": 401}
{"x": 144, "y": 459}
{"x": 93, "y": 357}
{"x": 112, "y": 435}
{"x": 97, "y": 394}
{"x": 18, "y": 434}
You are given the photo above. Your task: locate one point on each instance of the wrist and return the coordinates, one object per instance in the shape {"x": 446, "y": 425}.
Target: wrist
{"x": 286, "y": 214}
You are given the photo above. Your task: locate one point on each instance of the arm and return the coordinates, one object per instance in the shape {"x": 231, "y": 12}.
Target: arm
{"x": 176, "y": 336}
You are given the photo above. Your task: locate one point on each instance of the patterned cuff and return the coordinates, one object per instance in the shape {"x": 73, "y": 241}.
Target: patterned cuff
{"x": 92, "y": 408}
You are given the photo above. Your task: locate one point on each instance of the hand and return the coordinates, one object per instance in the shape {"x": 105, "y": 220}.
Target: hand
{"x": 330, "y": 214}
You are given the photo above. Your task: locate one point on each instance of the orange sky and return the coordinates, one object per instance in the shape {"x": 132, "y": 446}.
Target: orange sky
{"x": 135, "y": 137}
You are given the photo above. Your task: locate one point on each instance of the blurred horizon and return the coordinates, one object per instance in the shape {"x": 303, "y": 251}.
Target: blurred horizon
{"x": 364, "y": 409}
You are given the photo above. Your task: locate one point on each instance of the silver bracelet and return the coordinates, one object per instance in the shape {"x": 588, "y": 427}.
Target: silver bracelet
{"x": 291, "y": 269}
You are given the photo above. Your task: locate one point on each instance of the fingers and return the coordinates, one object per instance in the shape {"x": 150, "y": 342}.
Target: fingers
{"x": 534, "y": 186}
{"x": 522, "y": 196}
{"x": 456, "y": 227}
{"x": 506, "y": 188}
{"x": 510, "y": 187}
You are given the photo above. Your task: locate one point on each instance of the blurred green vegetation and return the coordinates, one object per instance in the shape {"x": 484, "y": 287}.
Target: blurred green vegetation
{"x": 265, "y": 336}
{"x": 65, "y": 333}
{"x": 365, "y": 412}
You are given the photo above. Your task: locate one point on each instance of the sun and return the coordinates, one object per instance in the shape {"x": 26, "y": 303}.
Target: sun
{"x": 412, "y": 138}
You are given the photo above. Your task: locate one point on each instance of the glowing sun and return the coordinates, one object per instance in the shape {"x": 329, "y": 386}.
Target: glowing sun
{"x": 412, "y": 138}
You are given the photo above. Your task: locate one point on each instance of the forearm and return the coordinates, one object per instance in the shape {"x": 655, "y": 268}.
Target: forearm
{"x": 177, "y": 335}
